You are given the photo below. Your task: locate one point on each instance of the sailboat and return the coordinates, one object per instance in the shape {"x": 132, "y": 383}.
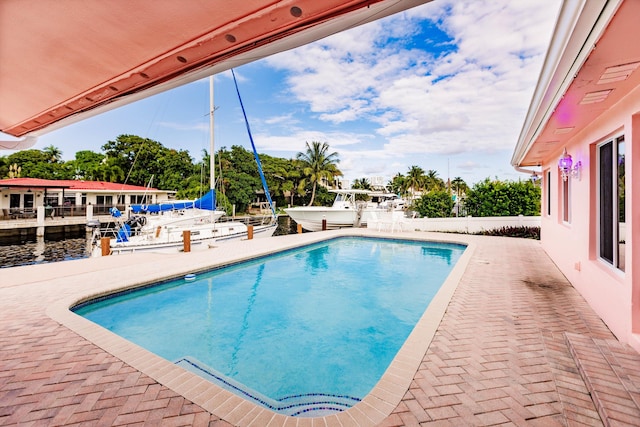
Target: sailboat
{"x": 161, "y": 227}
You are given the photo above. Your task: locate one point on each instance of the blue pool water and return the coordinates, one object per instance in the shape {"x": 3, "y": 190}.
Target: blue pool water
{"x": 307, "y": 330}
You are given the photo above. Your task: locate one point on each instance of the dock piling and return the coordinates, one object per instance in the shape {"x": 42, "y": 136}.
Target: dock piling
{"x": 186, "y": 239}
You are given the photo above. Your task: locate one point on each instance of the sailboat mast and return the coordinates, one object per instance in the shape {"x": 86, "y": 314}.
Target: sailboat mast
{"x": 212, "y": 168}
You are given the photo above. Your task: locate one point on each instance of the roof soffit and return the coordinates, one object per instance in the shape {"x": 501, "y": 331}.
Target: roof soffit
{"x": 573, "y": 97}
{"x": 69, "y": 60}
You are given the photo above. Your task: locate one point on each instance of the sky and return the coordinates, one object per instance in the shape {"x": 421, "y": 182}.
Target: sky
{"x": 444, "y": 86}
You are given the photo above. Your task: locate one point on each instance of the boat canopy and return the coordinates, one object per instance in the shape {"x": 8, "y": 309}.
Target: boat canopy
{"x": 206, "y": 202}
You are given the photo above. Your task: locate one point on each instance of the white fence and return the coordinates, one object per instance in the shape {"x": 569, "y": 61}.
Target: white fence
{"x": 394, "y": 221}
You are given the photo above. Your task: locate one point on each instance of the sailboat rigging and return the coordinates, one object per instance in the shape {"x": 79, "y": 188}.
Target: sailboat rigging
{"x": 160, "y": 227}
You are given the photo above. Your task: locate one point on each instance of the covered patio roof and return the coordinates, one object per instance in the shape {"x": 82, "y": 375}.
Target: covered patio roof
{"x": 65, "y": 60}
{"x": 591, "y": 65}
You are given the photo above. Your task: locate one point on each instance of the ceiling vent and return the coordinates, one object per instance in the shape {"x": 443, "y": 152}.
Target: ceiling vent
{"x": 617, "y": 73}
{"x": 562, "y": 131}
{"x": 593, "y": 97}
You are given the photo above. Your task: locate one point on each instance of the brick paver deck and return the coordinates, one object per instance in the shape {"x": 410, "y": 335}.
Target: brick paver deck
{"x": 517, "y": 346}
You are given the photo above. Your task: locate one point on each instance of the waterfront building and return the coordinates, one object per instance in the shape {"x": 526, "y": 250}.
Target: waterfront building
{"x": 21, "y": 197}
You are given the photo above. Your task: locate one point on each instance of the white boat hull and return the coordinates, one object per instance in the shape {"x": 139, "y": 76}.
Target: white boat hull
{"x": 346, "y": 211}
{"x": 171, "y": 241}
{"x": 311, "y": 217}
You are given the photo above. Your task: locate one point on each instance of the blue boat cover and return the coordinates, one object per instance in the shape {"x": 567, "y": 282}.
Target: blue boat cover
{"x": 123, "y": 233}
{"x": 207, "y": 202}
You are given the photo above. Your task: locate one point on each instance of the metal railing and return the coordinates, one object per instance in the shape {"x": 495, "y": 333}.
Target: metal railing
{"x": 55, "y": 211}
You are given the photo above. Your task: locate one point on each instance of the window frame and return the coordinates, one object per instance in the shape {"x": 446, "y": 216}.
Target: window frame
{"x": 565, "y": 200}
{"x": 613, "y": 197}
{"x": 547, "y": 186}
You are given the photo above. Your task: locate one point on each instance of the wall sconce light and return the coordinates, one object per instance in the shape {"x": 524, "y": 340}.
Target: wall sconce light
{"x": 567, "y": 168}
{"x": 535, "y": 178}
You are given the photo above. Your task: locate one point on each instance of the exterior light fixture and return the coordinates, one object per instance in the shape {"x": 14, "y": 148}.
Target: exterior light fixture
{"x": 567, "y": 168}
{"x": 535, "y": 178}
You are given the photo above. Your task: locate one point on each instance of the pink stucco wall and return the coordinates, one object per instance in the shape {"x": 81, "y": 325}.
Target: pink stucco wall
{"x": 613, "y": 294}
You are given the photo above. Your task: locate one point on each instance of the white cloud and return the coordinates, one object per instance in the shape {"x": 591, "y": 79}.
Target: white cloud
{"x": 285, "y": 118}
{"x": 471, "y": 98}
{"x": 199, "y": 127}
{"x": 294, "y": 141}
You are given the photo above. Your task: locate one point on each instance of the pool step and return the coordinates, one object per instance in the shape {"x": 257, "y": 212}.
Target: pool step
{"x": 304, "y": 405}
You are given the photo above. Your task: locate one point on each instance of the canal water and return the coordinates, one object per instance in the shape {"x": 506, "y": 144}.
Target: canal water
{"x": 72, "y": 244}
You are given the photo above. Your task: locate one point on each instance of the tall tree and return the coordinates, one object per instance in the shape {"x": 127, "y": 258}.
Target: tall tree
{"x": 318, "y": 164}
{"x": 86, "y": 165}
{"x": 110, "y": 171}
{"x": 459, "y": 186}
{"x": 37, "y": 164}
{"x": 136, "y": 156}
{"x": 432, "y": 181}
{"x": 53, "y": 153}
{"x": 398, "y": 185}
{"x": 361, "y": 184}
{"x": 415, "y": 180}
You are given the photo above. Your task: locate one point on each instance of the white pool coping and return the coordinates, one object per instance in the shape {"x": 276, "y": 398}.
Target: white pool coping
{"x": 98, "y": 277}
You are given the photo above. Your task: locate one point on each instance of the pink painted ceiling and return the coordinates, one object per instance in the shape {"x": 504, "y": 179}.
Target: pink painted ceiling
{"x": 609, "y": 73}
{"x": 67, "y": 58}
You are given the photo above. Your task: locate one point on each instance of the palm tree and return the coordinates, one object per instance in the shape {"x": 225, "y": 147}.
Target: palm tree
{"x": 318, "y": 165}
{"x": 432, "y": 181}
{"x": 361, "y": 184}
{"x": 415, "y": 179}
{"x": 398, "y": 185}
{"x": 53, "y": 153}
{"x": 459, "y": 186}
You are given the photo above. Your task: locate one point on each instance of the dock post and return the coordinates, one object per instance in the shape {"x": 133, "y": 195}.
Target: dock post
{"x": 40, "y": 221}
{"x": 105, "y": 245}
{"x": 299, "y": 229}
{"x": 249, "y": 232}
{"x": 186, "y": 238}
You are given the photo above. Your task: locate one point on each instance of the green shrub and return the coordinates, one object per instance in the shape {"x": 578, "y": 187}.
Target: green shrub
{"x": 524, "y": 232}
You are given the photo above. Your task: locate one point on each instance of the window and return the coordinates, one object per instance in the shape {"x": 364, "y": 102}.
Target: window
{"x": 547, "y": 180}
{"x": 14, "y": 201}
{"x": 104, "y": 200}
{"x": 28, "y": 201}
{"x": 51, "y": 200}
{"x": 611, "y": 202}
{"x": 140, "y": 199}
{"x": 566, "y": 206}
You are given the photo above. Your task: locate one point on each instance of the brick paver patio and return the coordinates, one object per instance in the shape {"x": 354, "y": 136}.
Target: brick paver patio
{"x": 517, "y": 346}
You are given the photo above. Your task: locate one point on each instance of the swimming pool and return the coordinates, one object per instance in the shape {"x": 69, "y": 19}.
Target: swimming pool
{"x": 303, "y": 332}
